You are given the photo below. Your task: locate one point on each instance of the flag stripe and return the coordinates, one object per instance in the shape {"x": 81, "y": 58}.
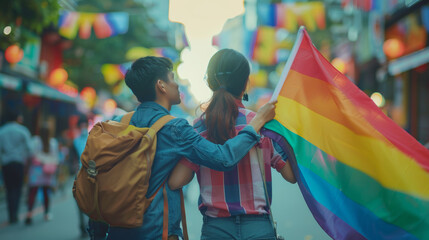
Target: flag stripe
{"x": 332, "y": 224}
{"x": 377, "y": 199}
{"x": 348, "y": 157}
{"x": 363, "y": 153}
{"x": 318, "y": 67}
{"x": 317, "y": 191}
{"x": 357, "y": 216}
{"x": 328, "y": 105}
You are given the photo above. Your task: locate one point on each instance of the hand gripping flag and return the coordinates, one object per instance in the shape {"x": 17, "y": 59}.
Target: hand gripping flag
{"x": 361, "y": 175}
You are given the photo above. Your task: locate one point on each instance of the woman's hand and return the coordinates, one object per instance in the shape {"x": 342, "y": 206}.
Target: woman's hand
{"x": 264, "y": 114}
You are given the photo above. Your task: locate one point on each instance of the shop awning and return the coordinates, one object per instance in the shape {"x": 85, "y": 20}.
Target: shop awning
{"x": 9, "y": 82}
{"x": 409, "y": 62}
{"x": 42, "y": 90}
{"x": 34, "y": 88}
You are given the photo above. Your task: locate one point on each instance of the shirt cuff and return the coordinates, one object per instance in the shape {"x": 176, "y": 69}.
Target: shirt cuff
{"x": 279, "y": 165}
{"x": 249, "y": 129}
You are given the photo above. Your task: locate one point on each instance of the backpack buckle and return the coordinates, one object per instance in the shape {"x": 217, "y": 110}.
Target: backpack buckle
{"x": 92, "y": 172}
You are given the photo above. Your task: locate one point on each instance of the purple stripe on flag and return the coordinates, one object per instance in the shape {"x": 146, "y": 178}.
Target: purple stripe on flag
{"x": 323, "y": 216}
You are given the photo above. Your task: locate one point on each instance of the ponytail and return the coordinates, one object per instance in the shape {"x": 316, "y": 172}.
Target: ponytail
{"x": 227, "y": 75}
{"x": 220, "y": 117}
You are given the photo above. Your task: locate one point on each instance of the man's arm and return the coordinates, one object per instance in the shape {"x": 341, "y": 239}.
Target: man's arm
{"x": 215, "y": 156}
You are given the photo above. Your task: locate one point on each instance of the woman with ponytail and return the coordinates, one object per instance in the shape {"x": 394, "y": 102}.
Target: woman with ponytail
{"x": 233, "y": 203}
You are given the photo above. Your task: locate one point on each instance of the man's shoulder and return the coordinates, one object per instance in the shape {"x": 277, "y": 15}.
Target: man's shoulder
{"x": 148, "y": 119}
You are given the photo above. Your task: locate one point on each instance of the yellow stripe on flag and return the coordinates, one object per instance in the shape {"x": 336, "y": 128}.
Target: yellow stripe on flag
{"x": 386, "y": 164}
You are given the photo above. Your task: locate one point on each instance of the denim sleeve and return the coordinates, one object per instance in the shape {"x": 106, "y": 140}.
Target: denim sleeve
{"x": 215, "y": 156}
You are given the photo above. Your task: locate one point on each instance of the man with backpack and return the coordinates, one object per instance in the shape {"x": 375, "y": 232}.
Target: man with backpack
{"x": 152, "y": 81}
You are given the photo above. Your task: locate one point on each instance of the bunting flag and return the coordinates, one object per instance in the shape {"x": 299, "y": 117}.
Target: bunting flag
{"x": 291, "y": 15}
{"x": 265, "y": 46}
{"x": 309, "y": 14}
{"x": 366, "y": 5}
{"x": 113, "y": 73}
{"x": 105, "y": 24}
{"x": 361, "y": 175}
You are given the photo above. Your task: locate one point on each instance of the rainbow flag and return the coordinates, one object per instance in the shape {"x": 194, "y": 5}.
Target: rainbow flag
{"x": 361, "y": 175}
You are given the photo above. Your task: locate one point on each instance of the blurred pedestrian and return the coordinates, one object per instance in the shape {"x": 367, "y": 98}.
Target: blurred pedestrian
{"x": 152, "y": 81}
{"x": 42, "y": 171}
{"x": 63, "y": 170}
{"x": 78, "y": 145}
{"x": 244, "y": 212}
{"x": 15, "y": 149}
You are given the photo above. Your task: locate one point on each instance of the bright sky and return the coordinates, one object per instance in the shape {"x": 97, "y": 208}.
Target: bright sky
{"x": 202, "y": 20}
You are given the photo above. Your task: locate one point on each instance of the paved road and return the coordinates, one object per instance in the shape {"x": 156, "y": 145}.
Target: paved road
{"x": 63, "y": 226}
{"x": 294, "y": 219}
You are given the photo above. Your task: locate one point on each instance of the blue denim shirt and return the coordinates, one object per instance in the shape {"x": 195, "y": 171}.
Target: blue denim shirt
{"x": 175, "y": 140}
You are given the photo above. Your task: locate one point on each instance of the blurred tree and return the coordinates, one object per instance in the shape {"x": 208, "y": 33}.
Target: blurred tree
{"x": 26, "y": 17}
{"x": 84, "y": 59}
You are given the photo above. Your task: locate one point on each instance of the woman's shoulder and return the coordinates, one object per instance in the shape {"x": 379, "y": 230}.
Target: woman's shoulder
{"x": 199, "y": 123}
{"x": 245, "y": 116}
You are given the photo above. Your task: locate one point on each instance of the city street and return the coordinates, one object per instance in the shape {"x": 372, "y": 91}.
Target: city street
{"x": 290, "y": 211}
{"x": 64, "y": 224}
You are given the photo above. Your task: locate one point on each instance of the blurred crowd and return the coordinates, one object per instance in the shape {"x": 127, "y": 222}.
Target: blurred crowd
{"x": 40, "y": 163}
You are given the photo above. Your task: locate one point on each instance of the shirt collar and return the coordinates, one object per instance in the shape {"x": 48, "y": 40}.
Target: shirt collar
{"x": 239, "y": 103}
{"x": 153, "y": 105}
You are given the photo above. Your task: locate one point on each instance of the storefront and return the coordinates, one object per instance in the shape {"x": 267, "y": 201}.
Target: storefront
{"x": 24, "y": 88}
{"x": 407, "y": 51}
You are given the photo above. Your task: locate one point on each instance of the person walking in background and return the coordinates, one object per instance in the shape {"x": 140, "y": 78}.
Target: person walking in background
{"x": 15, "y": 149}
{"x": 233, "y": 203}
{"x": 78, "y": 146}
{"x": 42, "y": 170}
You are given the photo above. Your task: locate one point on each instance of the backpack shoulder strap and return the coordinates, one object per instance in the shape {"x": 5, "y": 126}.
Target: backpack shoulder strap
{"x": 161, "y": 122}
{"x": 127, "y": 117}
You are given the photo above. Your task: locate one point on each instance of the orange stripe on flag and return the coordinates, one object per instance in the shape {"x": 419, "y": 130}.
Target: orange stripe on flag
{"x": 326, "y": 100}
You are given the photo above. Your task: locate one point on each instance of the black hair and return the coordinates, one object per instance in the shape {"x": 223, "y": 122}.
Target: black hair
{"x": 143, "y": 74}
{"x": 227, "y": 75}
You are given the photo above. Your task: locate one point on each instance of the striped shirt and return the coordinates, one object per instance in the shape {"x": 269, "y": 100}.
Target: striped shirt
{"x": 240, "y": 190}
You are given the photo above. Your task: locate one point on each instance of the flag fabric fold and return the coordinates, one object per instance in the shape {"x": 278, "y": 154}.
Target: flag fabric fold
{"x": 361, "y": 175}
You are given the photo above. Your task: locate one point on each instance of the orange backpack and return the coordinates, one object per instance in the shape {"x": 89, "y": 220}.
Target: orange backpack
{"x": 112, "y": 184}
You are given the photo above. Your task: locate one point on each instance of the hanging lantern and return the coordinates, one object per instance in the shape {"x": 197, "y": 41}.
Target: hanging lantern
{"x": 58, "y": 77}
{"x": 339, "y": 64}
{"x": 88, "y": 94}
{"x": 393, "y": 48}
{"x": 109, "y": 106}
{"x": 13, "y": 54}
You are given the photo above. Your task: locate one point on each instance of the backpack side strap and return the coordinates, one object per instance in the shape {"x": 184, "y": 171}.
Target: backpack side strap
{"x": 127, "y": 117}
{"x": 161, "y": 122}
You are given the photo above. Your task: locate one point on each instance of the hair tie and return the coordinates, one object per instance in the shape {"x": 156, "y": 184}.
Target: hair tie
{"x": 222, "y": 73}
